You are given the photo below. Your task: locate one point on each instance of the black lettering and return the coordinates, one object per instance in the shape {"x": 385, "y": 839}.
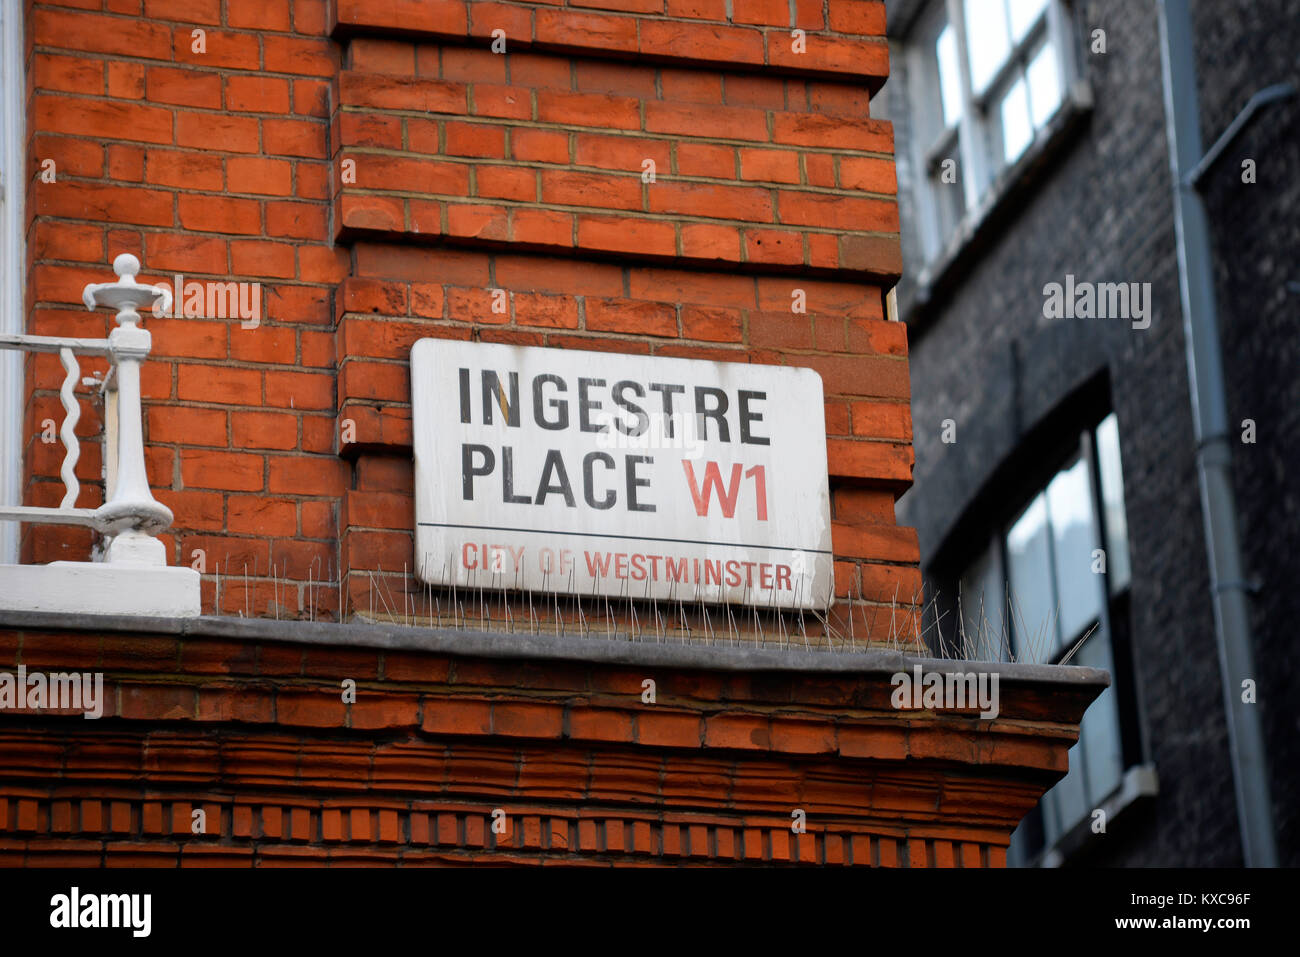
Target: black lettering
{"x": 539, "y": 404}
{"x": 464, "y": 396}
{"x": 547, "y": 485}
{"x": 469, "y": 471}
{"x": 666, "y": 398}
{"x": 718, "y": 413}
{"x": 634, "y": 482}
{"x": 642, "y": 420}
{"x": 588, "y": 460}
{"x": 747, "y": 415}
{"x": 494, "y": 396}
{"x": 587, "y": 405}
{"x": 508, "y": 479}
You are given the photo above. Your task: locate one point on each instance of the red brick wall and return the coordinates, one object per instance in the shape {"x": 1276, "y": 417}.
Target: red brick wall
{"x": 474, "y": 171}
{"x": 479, "y": 176}
{"x": 213, "y": 165}
{"x": 254, "y": 731}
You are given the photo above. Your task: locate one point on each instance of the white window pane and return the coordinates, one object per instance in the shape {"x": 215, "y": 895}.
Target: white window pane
{"x": 1078, "y": 588}
{"x": 1099, "y": 729}
{"x": 1023, "y": 15}
{"x": 987, "y": 43}
{"x": 1044, "y": 85}
{"x": 1112, "y": 496}
{"x": 945, "y": 51}
{"x": 982, "y": 600}
{"x": 1017, "y": 133}
{"x": 1032, "y": 594}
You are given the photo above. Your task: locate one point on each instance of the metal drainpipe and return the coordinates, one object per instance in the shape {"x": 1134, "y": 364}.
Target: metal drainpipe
{"x": 1213, "y": 451}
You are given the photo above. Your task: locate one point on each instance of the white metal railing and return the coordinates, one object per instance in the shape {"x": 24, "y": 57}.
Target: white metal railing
{"x": 130, "y": 516}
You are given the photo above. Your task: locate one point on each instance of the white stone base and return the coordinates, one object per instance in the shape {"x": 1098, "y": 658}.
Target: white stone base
{"x": 96, "y": 588}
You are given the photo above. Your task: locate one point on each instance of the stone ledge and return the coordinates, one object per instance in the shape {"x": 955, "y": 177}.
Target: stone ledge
{"x": 595, "y": 651}
{"x": 129, "y": 592}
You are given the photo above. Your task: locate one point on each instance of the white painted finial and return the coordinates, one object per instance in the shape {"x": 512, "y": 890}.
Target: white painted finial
{"x": 125, "y": 266}
{"x": 126, "y": 295}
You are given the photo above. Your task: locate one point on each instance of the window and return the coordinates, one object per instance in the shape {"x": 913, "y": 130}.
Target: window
{"x": 985, "y": 78}
{"x": 1054, "y": 576}
{"x": 12, "y": 156}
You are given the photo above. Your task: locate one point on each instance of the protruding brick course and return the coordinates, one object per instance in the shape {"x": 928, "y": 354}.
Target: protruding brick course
{"x": 256, "y": 733}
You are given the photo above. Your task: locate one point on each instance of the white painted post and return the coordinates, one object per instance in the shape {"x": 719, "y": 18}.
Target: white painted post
{"x": 132, "y": 516}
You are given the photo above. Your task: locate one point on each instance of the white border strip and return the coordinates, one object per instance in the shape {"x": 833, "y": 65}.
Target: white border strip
{"x": 12, "y": 280}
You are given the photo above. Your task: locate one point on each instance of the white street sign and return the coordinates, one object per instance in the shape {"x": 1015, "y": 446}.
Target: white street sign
{"x": 621, "y": 475}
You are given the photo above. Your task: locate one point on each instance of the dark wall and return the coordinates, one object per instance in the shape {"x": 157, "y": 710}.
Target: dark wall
{"x": 1247, "y": 45}
{"x": 983, "y": 355}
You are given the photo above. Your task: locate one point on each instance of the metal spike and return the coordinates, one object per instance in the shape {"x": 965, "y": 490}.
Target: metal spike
{"x": 853, "y": 614}
{"x": 386, "y": 595}
{"x": 573, "y": 589}
{"x": 454, "y": 597}
{"x": 654, "y": 611}
{"x": 830, "y": 600}
{"x": 1079, "y": 644}
{"x": 583, "y": 628}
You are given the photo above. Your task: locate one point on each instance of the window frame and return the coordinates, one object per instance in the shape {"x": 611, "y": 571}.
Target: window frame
{"x": 1128, "y": 717}
{"x": 979, "y": 173}
{"x": 1086, "y": 449}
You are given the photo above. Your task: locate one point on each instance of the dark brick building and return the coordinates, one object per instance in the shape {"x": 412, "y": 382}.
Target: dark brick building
{"x": 1061, "y": 170}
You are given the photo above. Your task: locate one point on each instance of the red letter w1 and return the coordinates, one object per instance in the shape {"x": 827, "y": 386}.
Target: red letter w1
{"x": 712, "y": 481}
